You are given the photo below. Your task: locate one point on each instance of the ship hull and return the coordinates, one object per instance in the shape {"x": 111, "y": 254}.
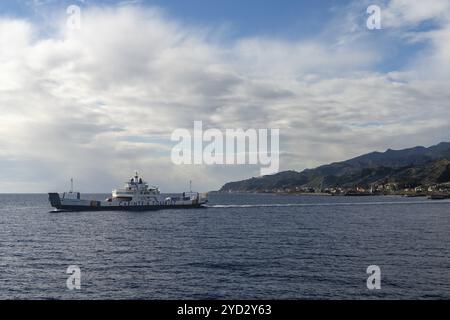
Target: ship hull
{"x": 127, "y": 208}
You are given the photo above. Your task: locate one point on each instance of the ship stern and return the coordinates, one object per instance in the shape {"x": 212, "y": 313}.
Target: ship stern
{"x": 55, "y": 200}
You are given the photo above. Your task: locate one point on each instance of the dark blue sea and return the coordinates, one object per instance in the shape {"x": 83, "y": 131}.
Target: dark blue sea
{"x": 244, "y": 246}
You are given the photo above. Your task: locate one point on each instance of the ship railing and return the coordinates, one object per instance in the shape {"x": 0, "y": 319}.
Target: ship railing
{"x": 195, "y": 196}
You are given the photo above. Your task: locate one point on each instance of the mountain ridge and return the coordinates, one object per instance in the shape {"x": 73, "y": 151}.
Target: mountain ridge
{"x": 412, "y": 166}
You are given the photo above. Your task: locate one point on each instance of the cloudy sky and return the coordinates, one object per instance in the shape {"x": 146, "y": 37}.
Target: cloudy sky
{"x": 100, "y": 102}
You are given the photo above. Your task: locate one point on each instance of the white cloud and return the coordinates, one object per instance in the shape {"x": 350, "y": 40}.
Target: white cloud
{"x": 101, "y": 102}
{"x": 406, "y": 13}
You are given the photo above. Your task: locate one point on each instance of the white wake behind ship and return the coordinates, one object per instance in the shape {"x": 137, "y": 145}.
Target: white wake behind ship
{"x": 136, "y": 196}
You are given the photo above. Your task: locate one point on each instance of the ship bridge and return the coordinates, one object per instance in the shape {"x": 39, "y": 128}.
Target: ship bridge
{"x": 135, "y": 188}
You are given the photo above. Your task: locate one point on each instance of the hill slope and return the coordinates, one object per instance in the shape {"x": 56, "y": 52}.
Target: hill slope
{"x": 413, "y": 166}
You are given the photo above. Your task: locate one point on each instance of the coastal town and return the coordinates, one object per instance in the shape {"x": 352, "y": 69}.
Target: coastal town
{"x": 435, "y": 191}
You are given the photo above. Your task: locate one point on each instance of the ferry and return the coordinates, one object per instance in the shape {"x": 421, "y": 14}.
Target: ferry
{"x": 137, "y": 195}
{"x": 439, "y": 196}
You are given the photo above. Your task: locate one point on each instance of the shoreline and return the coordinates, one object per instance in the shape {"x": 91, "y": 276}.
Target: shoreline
{"x": 335, "y": 195}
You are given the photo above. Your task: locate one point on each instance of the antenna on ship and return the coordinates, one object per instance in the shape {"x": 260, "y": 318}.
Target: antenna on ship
{"x": 71, "y": 185}
{"x": 190, "y": 185}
